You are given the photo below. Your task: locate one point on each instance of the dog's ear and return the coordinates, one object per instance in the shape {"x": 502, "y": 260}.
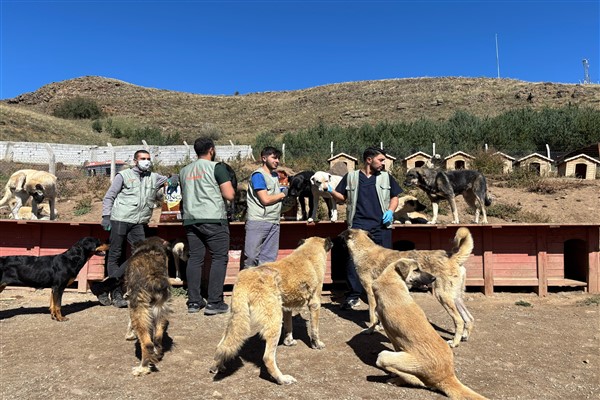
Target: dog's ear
{"x": 329, "y": 177}
{"x": 328, "y": 244}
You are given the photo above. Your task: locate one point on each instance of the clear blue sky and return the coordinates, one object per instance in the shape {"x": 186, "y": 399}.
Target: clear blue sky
{"x": 220, "y": 47}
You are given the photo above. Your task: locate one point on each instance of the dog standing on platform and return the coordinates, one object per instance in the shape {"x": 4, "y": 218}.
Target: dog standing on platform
{"x": 148, "y": 292}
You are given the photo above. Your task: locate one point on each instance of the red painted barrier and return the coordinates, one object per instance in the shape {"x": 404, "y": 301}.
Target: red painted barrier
{"x": 535, "y": 255}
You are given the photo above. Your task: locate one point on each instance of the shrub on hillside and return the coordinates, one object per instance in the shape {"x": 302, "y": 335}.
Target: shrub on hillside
{"x": 488, "y": 163}
{"x": 78, "y": 108}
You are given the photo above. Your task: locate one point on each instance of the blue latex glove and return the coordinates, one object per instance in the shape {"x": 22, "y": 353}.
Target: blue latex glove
{"x": 329, "y": 188}
{"x": 388, "y": 216}
{"x": 106, "y": 222}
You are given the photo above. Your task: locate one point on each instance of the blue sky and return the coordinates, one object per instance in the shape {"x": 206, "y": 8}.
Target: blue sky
{"x": 223, "y": 47}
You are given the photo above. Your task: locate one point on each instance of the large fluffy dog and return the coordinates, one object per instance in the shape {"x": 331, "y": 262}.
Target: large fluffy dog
{"x": 421, "y": 358}
{"x": 319, "y": 182}
{"x": 446, "y": 185}
{"x": 148, "y": 292}
{"x": 265, "y": 296}
{"x": 371, "y": 259}
{"x": 56, "y": 271}
{"x": 301, "y": 189}
{"x": 27, "y": 183}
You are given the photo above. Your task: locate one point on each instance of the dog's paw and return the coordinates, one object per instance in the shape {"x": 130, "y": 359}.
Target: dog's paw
{"x": 368, "y": 331}
{"x": 452, "y": 343}
{"x": 431, "y": 222}
{"x": 139, "y": 371}
{"x": 286, "y": 380}
{"x": 317, "y": 344}
{"x": 310, "y": 220}
{"x": 130, "y": 336}
{"x": 289, "y": 341}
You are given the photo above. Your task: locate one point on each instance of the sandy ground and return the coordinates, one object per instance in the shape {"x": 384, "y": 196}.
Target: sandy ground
{"x": 523, "y": 347}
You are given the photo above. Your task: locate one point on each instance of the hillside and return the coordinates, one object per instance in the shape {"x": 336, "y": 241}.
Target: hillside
{"x": 28, "y": 117}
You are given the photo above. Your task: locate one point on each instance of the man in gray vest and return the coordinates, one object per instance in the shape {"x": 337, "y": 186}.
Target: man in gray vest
{"x": 264, "y": 211}
{"x": 205, "y": 185}
{"x": 372, "y": 197}
{"x": 126, "y": 210}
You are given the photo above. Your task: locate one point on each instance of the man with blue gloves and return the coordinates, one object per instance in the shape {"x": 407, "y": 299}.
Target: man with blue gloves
{"x": 372, "y": 197}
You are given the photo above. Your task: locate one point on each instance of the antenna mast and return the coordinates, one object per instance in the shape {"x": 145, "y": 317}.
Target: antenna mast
{"x": 586, "y": 72}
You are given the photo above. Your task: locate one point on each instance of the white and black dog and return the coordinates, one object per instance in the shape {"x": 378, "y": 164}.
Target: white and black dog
{"x": 319, "y": 182}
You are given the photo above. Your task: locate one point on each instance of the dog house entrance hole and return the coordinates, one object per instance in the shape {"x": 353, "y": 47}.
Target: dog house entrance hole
{"x": 576, "y": 260}
{"x": 419, "y": 163}
{"x": 536, "y": 167}
{"x": 459, "y": 164}
{"x": 580, "y": 171}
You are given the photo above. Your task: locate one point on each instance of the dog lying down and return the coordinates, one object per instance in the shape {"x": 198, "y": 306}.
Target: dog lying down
{"x": 421, "y": 357}
{"x": 409, "y": 211}
{"x": 264, "y": 297}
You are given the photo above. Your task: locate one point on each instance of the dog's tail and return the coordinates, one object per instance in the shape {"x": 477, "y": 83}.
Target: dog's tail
{"x": 239, "y": 326}
{"x": 6, "y": 194}
{"x": 455, "y": 390}
{"x": 463, "y": 245}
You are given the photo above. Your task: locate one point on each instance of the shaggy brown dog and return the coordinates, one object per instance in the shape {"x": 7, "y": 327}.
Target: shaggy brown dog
{"x": 55, "y": 271}
{"x": 265, "y": 296}
{"x": 371, "y": 259}
{"x": 27, "y": 183}
{"x": 421, "y": 358}
{"x": 148, "y": 292}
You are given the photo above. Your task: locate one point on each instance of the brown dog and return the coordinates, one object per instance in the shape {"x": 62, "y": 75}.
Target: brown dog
{"x": 27, "y": 183}
{"x": 264, "y": 296}
{"x": 421, "y": 358}
{"x": 148, "y": 292}
{"x": 371, "y": 259}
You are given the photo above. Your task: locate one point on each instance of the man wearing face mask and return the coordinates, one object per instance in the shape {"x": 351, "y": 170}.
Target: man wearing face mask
{"x": 126, "y": 210}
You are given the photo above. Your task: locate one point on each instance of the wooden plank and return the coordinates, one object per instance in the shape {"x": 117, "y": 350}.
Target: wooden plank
{"x": 593, "y": 240}
{"x": 542, "y": 288}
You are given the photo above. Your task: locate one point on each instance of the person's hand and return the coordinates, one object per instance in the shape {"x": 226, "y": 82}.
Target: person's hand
{"x": 284, "y": 190}
{"x": 388, "y": 216}
{"x": 106, "y": 222}
{"x": 329, "y": 188}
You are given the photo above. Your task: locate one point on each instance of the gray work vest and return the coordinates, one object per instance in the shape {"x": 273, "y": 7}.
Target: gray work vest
{"x": 135, "y": 201}
{"x": 258, "y": 212}
{"x": 200, "y": 191}
{"x": 382, "y": 185}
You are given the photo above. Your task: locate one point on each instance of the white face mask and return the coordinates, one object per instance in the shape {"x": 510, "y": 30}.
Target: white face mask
{"x": 144, "y": 165}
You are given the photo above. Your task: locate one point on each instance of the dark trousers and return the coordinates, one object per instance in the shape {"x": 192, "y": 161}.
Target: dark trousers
{"x": 382, "y": 237}
{"x": 216, "y": 238}
{"x": 119, "y": 232}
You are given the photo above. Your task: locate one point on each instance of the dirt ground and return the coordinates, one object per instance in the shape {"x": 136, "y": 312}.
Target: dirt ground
{"x": 523, "y": 347}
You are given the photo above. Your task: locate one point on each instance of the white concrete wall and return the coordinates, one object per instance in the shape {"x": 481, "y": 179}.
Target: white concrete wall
{"x": 73, "y": 154}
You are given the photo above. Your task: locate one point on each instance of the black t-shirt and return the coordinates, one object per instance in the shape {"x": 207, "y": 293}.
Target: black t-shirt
{"x": 368, "y": 212}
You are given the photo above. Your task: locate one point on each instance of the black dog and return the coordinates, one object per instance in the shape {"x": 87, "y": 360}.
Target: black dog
{"x": 56, "y": 271}
{"x": 231, "y": 209}
{"x": 300, "y": 188}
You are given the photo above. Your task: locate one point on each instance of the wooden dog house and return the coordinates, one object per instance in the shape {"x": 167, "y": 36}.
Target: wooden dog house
{"x": 342, "y": 162}
{"x": 458, "y": 160}
{"x": 536, "y": 162}
{"x": 507, "y": 162}
{"x": 579, "y": 166}
{"x": 418, "y": 159}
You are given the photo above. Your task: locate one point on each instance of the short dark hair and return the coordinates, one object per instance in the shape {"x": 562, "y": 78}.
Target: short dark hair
{"x": 372, "y": 152}
{"x": 202, "y": 145}
{"x": 268, "y": 150}
{"x": 135, "y": 155}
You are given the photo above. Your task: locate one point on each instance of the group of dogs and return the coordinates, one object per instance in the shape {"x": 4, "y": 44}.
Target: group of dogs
{"x": 265, "y": 297}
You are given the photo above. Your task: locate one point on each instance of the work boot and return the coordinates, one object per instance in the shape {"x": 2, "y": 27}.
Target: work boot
{"x": 117, "y": 298}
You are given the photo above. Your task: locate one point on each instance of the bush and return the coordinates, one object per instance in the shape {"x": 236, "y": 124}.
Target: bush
{"x": 97, "y": 125}
{"x": 78, "y": 108}
{"x": 83, "y": 206}
{"x": 488, "y": 163}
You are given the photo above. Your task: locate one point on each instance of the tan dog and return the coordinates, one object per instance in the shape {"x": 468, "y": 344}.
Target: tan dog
{"x": 371, "y": 259}
{"x": 408, "y": 211}
{"x": 27, "y": 183}
{"x": 43, "y": 211}
{"x": 421, "y": 358}
{"x": 264, "y": 296}
{"x": 181, "y": 252}
{"x": 148, "y": 293}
